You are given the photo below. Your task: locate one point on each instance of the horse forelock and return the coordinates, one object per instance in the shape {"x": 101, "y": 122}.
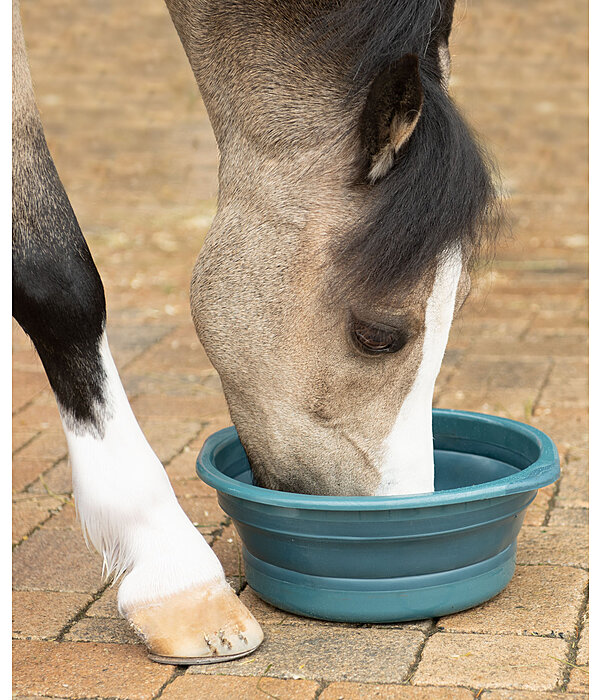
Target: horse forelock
{"x": 441, "y": 191}
{"x": 373, "y": 33}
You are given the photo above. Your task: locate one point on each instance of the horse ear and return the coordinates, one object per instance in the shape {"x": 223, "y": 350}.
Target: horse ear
{"x": 391, "y": 112}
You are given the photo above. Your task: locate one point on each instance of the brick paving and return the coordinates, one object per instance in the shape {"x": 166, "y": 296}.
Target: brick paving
{"x": 134, "y": 148}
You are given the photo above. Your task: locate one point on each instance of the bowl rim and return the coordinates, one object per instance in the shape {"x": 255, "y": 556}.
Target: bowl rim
{"x": 544, "y": 471}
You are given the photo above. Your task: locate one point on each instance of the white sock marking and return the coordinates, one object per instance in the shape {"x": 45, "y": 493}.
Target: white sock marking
{"x": 408, "y": 449}
{"x": 128, "y": 509}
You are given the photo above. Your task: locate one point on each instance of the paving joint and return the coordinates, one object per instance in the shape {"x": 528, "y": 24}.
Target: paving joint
{"x": 555, "y": 493}
{"x": 323, "y": 685}
{"x": 24, "y": 445}
{"x": 525, "y": 332}
{"x": 501, "y": 633}
{"x": 82, "y": 612}
{"x": 543, "y": 385}
{"x": 412, "y": 669}
{"x": 37, "y": 527}
{"x": 143, "y": 351}
{"x": 571, "y": 660}
{"x": 27, "y": 404}
{"x": 177, "y": 672}
{"x": 203, "y": 426}
{"x": 581, "y": 567}
{"x": 40, "y": 477}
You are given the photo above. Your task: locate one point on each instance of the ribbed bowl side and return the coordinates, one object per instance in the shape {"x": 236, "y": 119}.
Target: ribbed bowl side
{"x": 392, "y": 544}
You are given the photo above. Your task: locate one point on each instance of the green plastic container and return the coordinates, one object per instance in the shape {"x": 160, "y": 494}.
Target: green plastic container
{"x": 389, "y": 559}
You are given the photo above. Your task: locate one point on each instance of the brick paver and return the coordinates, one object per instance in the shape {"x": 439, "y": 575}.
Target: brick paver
{"x": 492, "y": 661}
{"x": 328, "y": 653}
{"x": 358, "y": 691}
{"x": 105, "y": 605}
{"x": 56, "y": 560}
{"x": 208, "y": 688}
{"x": 29, "y": 511}
{"x": 574, "y": 481}
{"x": 229, "y": 550}
{"x": 83, "y": 670}
{"x": 552, "y": 545}
{"x": 528, "y": 695}
{"x": 133, "y": 145}
{"x": 536, "y": 602}
{"x": 44, "y": 614}
{"x": 570, "y": 517}
{"x": 100, "y": 629}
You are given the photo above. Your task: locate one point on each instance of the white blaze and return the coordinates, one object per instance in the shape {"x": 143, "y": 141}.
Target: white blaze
{"x": 127, "y": 506}
{"x": 408, "y": 449}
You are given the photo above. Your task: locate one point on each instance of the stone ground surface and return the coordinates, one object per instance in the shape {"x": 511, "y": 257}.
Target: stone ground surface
{"x": 134, "y": 148}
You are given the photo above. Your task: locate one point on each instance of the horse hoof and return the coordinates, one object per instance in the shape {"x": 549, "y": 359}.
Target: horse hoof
{"x": 203, "y": 625}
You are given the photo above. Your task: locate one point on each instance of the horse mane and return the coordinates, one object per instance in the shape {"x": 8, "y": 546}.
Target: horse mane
{"x": 440, "y": 193}
{"x": 380, "y": 31}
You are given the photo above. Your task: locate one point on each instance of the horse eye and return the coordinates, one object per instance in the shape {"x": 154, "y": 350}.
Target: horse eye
{"x": 376, "y": 339}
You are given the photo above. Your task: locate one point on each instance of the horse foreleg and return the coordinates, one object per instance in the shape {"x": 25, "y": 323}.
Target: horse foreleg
{"x": 173, "y": 591}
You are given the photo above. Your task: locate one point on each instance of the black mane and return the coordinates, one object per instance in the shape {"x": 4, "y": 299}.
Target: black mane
{"x": 376, "y": 32}
{"x": 440, "y": 192}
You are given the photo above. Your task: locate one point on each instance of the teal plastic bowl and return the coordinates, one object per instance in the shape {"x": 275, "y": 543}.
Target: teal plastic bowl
{"x": 389, "y": 559}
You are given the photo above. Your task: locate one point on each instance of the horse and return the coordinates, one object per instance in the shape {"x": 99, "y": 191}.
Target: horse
{"x": 353, "y": 198}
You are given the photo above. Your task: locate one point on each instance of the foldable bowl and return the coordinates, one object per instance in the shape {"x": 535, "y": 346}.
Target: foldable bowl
{"x": 389, "y": 559}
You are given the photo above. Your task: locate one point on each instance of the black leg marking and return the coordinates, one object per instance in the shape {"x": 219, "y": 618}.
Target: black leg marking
{"x": 58, "y": 297}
